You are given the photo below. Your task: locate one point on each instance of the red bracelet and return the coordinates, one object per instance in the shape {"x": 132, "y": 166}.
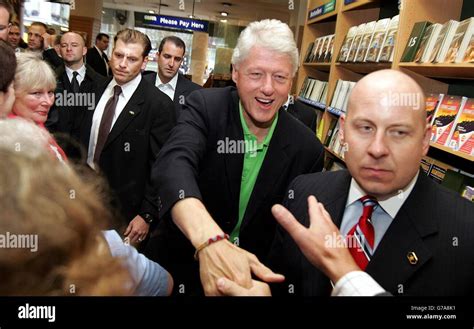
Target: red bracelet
{"x": 219, "y": 237}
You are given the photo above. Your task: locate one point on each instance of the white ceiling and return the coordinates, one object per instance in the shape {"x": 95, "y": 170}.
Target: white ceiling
{"x": 241, "y": 12}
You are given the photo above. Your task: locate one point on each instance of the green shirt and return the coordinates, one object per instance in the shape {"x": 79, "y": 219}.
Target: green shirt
{"x": 253, "y": 159}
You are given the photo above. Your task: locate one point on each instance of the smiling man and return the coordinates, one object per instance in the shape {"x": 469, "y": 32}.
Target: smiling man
{"x": 127, "y": 129}
{"x": 215, "y": 197}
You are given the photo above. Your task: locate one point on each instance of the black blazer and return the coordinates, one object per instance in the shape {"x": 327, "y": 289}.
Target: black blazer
{"x": 184, "y": 87}
{"x": 132, "y": 147}
{"x": 192, "y": 165}
{"x": 52, "y": 58}
{"x": 306, "y": 114}
{"x": 433, "y": 222}
{"x": 95, "y": 60}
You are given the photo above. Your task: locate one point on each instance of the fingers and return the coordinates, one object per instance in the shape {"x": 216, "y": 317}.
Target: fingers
{"x": 129, "y": 228}
{"x": 230, "y": 288}
{"x": 288, "y": 222}
{"x": 263, "y": 272}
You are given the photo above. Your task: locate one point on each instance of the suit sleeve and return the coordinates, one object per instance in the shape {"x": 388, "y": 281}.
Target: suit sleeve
{"x": 162, "y": 125}
{"x": 175, "y": 173}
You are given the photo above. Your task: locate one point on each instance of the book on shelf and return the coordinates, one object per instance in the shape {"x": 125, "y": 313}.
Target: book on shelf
{"x": 443, "y": 42}
{"x": 438, "y": 171}
{"x": 426, "y": 163}
{"x": 469, "y": 53}
{"x": 323, "y": 48}
{"x": 375, "y": 46}
{"x": 457, "y": 181}
{"x": 314, "y": 54}
{"x": 432, "y": 102}
{"x": 355, "y": 44}
{"x": 387, "y": 52}
{"x": 347, "y": 43}
{"x": 427, "y": 43}
{"x": 462, "y": 39}
{"x": 329, "y": 51}
{"x": 462, "y": 139}
{"x": 445, "y": 116}
{"x": 308, "y": 52}
{"x": 365, "y": 41}
{"x": 467, "y": 39}
{"x": 414, "y": 41}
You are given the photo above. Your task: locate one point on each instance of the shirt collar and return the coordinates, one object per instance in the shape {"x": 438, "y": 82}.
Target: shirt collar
{"x": 81, "y": 71}
{"x": 100, "y": 51}
{"x": 247, "y": 132}
{"x": 391, "y": 205}
{"x": 288, "y": 101}
{"x": 172, "y": 83}
{"x": 128, "y": 88}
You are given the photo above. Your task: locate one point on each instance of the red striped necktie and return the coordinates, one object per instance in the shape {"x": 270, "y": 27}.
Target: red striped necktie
{"x": 361, "y": 237}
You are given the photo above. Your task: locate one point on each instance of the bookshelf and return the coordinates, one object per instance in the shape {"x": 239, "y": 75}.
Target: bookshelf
{"x": 455, "y": 79}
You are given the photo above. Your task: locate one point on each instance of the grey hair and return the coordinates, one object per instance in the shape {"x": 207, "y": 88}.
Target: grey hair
{"x": 32, "y": 73}
{"x": 271, "y": 34}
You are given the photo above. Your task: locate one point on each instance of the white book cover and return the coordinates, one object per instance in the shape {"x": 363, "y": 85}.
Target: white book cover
{"x": 336, "y": 93}
{"x": 387, "y": 51}
{"x": 346, "y": 45}
{"x": 460, "y": 40}
{"x": 365, "y": 41}
{"x": 356, "y": 43}
{"x": 375, "y": 46}
{"x": 448, "y": 37}
{"x": 466, "y": 41}
{"x": 430, "y": 43}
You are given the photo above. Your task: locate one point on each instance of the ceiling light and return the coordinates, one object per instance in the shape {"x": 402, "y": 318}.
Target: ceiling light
{"x": 223, "y": 20}
{"x": 151, "y": 11}
{"x": 224, "y": 13}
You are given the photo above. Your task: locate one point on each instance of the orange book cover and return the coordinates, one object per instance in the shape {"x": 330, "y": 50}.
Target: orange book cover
{"x": 444, "y": 120}
{"x": 463, "y": 136}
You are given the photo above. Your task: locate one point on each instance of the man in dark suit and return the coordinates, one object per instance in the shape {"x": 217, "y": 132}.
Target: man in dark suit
{"x": 96, "y": 56}
{"x": 304, "y": 113}
{"x": 77, "y": 84}
{"x": 411, "y": 236}
{"x": 127, "y": 129}
{"x": 227, "y": 162}
{"x": 169, "y": 58}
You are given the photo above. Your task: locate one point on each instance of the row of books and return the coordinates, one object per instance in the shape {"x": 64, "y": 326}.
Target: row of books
{"x": 452, "y": 178}
{"x": 451, "y": 42}
{"x": 314, "y": 90}
{"x": 320, "y": 50}
{"x": 370, "y": 42}
{"x": 452, "y": 121}
{"x": 341, "y": 95}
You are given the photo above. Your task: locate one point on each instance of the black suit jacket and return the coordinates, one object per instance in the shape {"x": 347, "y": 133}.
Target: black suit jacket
{"x": 191, "y": 165}
{"x": 132, "y": 147}
{"x": 95, "y": 60}
{"x": 306, "y": 114}
{"x": 434, "y": 223}
{"x": 184, "y": 87}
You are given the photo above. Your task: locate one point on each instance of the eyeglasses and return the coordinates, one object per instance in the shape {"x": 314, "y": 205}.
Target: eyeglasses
{"x": 3, "y": 27}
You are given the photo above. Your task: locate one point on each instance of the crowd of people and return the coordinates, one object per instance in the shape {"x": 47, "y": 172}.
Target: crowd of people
{"x": 132, "y": 183}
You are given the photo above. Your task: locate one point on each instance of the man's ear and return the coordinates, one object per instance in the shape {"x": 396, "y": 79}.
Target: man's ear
{"x": 235, "y": 73}
{"x": 145, "y": 62}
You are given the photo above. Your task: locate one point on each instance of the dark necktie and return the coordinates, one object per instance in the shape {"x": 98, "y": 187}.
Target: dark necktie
{"x": 361, "y": 236}
{"x": 106, "y": 122}
{"x": 75, "y": 82}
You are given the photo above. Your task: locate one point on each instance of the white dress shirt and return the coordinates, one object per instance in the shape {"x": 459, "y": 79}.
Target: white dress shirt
{"x": 359, "y": 283}
{"x": 168, "y": 88}
{"x": 81, "y": 74}
{"x": 127, "y": 91}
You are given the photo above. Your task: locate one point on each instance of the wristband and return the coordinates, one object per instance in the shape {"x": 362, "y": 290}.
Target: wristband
{"x": 219, "y": 237}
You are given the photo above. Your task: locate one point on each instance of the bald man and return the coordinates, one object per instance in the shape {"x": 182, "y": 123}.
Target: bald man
{"x": 408, "y": 233}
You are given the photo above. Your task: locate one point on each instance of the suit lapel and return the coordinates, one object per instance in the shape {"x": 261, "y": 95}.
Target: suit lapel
{"x": 413, "y": 223}
{"x": 131, "y": 110}
{"x": 234, "y": 161}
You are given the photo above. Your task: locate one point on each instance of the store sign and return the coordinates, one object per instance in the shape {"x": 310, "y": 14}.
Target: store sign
{"x": 156, "y": 21}
{"x": 321, "y": 10}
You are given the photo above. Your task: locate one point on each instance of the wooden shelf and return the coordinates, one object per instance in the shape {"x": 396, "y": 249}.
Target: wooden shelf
{"x": 334, "y": 154}
{"x": 449, "y": 71}
{"x": 319, "y": 66}
{"x": 364, "y": 68}
{"x": 323, "y": 18}
{"x": 359, "y": 4}
{"x": 451, "y": 151}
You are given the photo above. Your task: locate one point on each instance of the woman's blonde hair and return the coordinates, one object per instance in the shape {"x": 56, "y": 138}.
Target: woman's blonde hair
{"x": 32, "y": 73}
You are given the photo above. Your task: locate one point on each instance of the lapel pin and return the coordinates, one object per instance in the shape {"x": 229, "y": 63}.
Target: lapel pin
{"x": 412, "y": 258}
{"x": 131, "y": 112}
